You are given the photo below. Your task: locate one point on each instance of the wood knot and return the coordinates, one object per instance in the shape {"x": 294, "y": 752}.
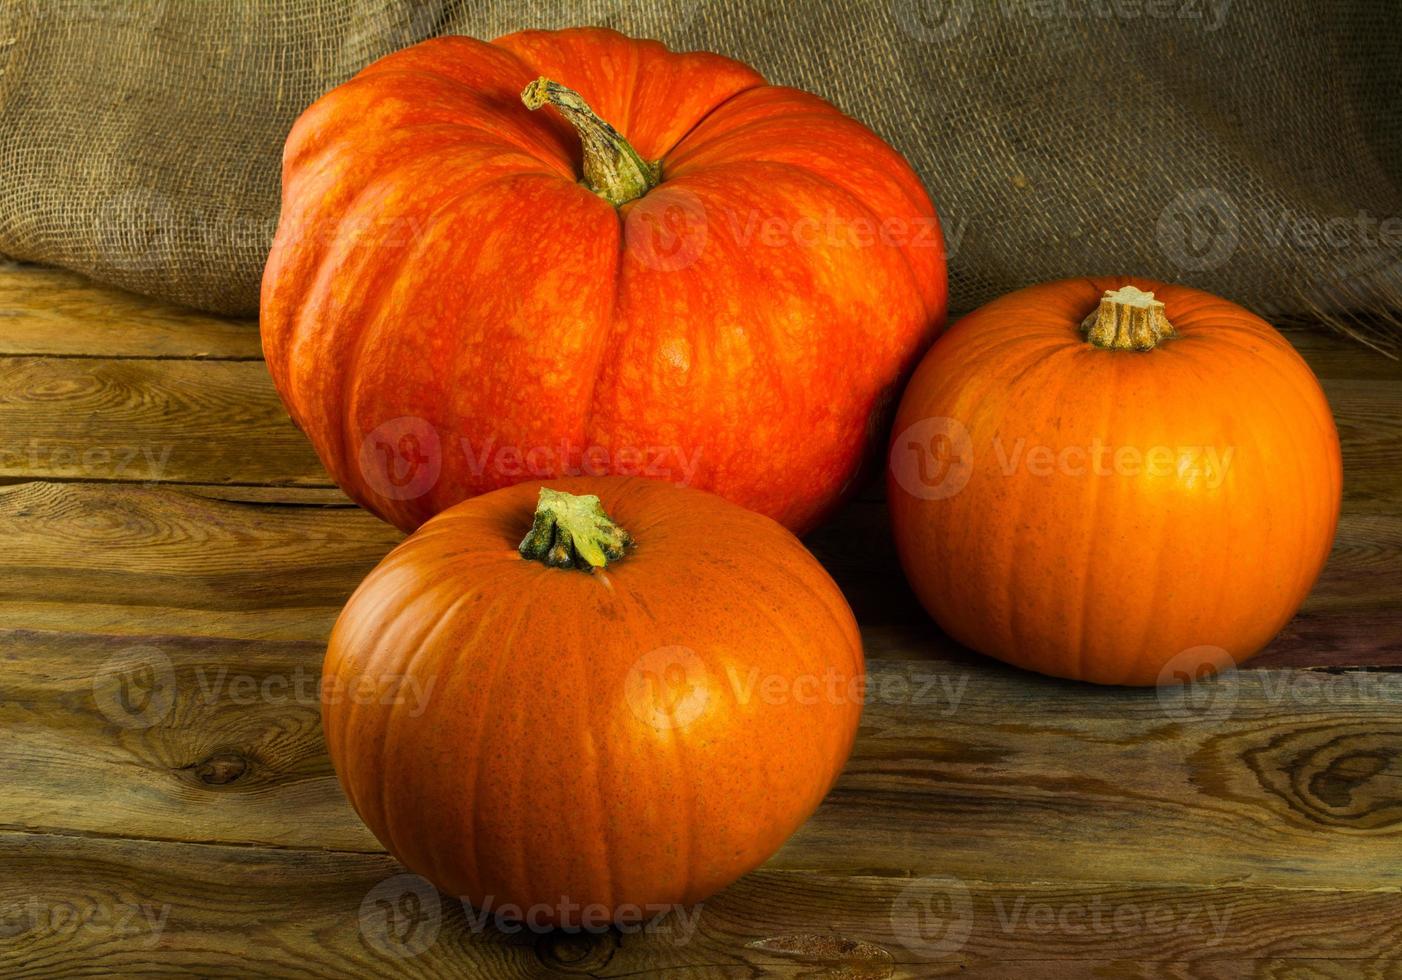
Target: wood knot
{"x": 1340, "y": 779}
{"x": 576, "y": 952}
{"x": 220, "y": 769}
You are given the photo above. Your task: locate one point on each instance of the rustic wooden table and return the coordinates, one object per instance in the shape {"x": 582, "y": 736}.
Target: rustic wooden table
{"x": 174, "y": 557}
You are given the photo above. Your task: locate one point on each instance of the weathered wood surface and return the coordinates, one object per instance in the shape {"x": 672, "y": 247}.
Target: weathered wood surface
{"x": 59, "y": 313}
{"x": 169, "y": 807}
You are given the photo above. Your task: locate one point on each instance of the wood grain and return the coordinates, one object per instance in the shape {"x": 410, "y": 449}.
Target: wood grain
{"x": 171, "y": 738}
{"x": 57, "y": 312}
{"x": 175, "y": 557}
{"x": 75, "y": 905}
{"x": 1276, "y": 777}
{"x": 144, "y": 561}
{"x": 148, "y": 421}
{"x": 277, "y": 564}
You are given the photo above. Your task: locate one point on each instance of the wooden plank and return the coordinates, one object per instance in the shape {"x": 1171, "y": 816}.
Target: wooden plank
{"x": 1284, "y": 777}
{"x": 1370, "y": 431}
{"x": 1288, "y": 778}
{"x": 1318, "y": 638}
{"x": 60, "y": 313}
{"x": 140, "y": 420}
{"x": 1332, "y": 356}
{"x": 146, "y": 421}
{"x": 170, "y": 738}
{"x": 144, "y": 561}
{"x": 158, "y": 684}
{"x": 75, "y": 905}
{"x": 277, "y": 564}
{"x": 53, "y": 311}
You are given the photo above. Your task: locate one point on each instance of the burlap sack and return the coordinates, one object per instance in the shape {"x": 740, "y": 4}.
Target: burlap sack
{"x": 1250, "y": 147}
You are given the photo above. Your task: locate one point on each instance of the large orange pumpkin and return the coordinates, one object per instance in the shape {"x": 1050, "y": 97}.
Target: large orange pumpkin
{"x": 1114, "y": 480}
{"x": 724, "y": 291}
{"x": 556, "y": 701}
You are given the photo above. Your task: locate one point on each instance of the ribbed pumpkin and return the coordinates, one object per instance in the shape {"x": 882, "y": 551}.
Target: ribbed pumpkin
{"x": 1114, "y": 480}
{"x": 724, "y": 291}
{"x": 605, "y": 692}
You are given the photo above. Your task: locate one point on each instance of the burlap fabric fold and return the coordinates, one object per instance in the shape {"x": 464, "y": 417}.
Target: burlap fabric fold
{"x": 1250, "y": 147}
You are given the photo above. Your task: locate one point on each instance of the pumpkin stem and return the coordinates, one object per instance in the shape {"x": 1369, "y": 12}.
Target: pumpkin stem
{"x": 573, "y": 532}
{"x": 612, "y": 168}
{"x": 1128, "y": 319}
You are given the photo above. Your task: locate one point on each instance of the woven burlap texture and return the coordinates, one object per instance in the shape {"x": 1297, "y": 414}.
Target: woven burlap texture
{"x": 1250, "y": 147}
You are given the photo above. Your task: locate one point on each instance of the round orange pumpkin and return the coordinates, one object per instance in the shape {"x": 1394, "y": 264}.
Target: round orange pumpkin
{"x": 1114, "y": 480}
{"x": 723, "y": 292}
{"x": 601, "y": 694}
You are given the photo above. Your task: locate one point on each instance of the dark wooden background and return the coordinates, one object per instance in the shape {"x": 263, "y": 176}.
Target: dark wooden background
{"x": 174, "y": 556}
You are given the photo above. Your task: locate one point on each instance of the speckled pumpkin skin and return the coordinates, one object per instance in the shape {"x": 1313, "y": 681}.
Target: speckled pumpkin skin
{"x": 1086, "y": 564}
{"x": 444, "y": 299}
{"x": 544, "y": 764}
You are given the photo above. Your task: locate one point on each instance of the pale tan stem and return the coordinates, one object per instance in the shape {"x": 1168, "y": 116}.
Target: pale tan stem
{"x": 1128, "y": 319}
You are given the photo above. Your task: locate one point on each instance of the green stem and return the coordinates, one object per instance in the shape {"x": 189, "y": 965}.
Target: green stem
{"x": 612, "y": 168}
{"x": 573, "y": 532}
